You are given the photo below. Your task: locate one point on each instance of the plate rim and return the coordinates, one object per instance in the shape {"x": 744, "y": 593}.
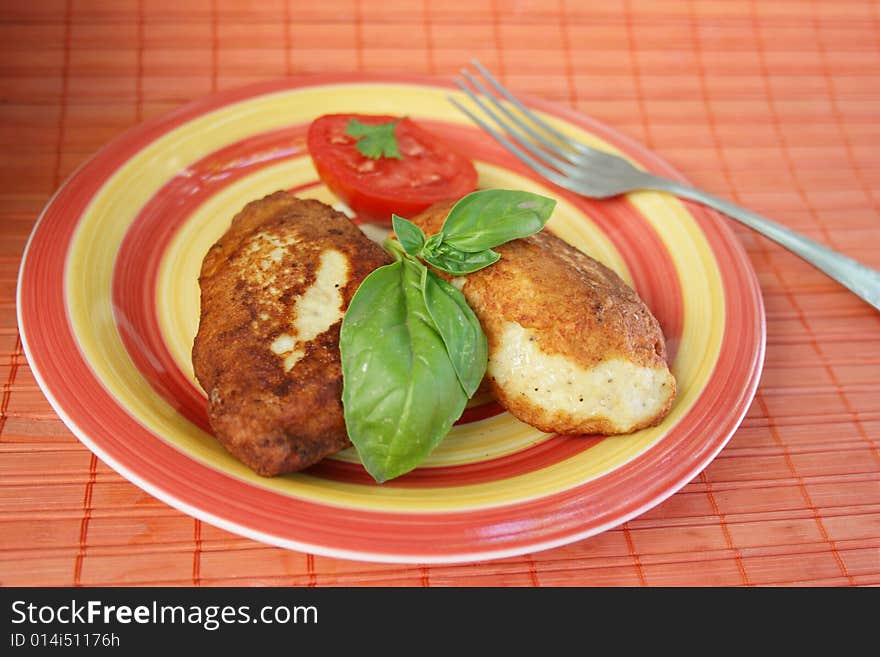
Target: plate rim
{"x": 253, "y": 91}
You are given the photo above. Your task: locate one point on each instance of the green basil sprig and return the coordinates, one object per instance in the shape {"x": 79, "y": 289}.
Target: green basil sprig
{"x": 413, "y": 352}
{"x": 400, "y": 393}
{"x": 476, "y": 224}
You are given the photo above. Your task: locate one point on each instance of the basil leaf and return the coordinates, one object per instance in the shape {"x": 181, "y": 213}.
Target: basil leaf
{"x": 400, "y": 391}
{"x": 456, "y": 262}
{"x": 374, "y": 140}
{"x": 408, "y": 234}
{"x": 488, "y": 218}
{"x": 460, "y": 329}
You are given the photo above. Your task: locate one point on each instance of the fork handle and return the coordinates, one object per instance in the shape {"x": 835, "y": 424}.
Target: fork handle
{"x": 860, "y": 279}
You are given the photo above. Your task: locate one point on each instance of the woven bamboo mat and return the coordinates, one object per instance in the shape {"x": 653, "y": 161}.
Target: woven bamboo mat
{"x": 773, "y": 105}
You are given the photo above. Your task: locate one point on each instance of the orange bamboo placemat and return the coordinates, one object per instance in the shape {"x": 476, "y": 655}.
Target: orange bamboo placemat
{"x": 773, "y": 105}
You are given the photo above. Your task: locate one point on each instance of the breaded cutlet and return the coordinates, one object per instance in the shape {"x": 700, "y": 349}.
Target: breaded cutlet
{"x": 572, "y": 348}
{"x": 273, "y": 292}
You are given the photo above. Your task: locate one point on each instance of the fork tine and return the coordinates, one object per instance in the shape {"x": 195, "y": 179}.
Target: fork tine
{"x": 566, "y": 152}
{"x": 541, "y": 155}
{"x": 599, "y": 162}
{"x": 529, "y": 161}
{"x": 581, "y": 148}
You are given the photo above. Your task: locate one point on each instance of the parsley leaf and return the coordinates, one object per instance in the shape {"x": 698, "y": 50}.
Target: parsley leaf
{"x": 375, "y": 141}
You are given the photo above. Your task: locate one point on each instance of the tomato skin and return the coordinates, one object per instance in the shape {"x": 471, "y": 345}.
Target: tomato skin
{"x": 429, "y": 171}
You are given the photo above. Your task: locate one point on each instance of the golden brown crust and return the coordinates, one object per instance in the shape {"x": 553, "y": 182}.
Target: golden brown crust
{"x": 572, "y": 305}
{"x": 275, "y": 421}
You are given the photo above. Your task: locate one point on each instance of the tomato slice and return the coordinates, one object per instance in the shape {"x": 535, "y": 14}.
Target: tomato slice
{"x": 428, "y": 172}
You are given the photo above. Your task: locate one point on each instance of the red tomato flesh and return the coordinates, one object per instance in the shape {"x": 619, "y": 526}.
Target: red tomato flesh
{"x": 428, "y": 172}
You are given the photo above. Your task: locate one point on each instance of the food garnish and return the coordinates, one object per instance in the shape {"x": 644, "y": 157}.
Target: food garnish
{"x": 476, "y": 224}
{"x": 413, "y": 352}
{"x": 374, "y": 141}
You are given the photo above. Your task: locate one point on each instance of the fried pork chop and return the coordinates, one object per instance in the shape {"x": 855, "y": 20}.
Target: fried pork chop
{"x": 273, "y": 292}
{"x": 572, "y": 348}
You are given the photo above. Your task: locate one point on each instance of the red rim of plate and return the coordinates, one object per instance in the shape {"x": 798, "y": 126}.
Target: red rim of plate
{"x": 420, "y": 537}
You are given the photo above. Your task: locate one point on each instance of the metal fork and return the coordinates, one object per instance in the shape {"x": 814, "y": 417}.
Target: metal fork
{"x": 597, "y": 174}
